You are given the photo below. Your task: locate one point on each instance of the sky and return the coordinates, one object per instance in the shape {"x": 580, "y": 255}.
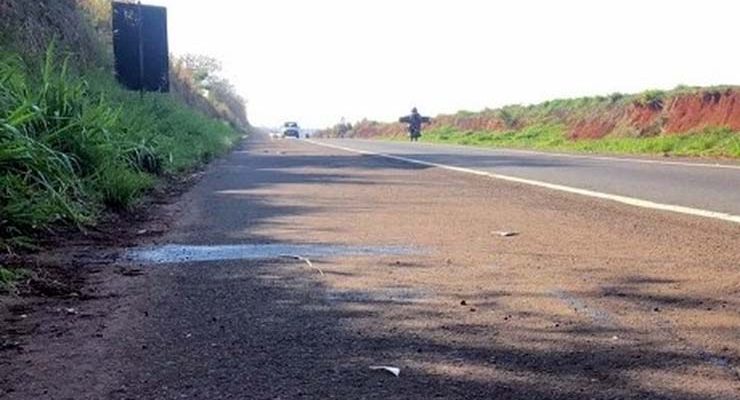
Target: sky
{"x": 318, "y": 61}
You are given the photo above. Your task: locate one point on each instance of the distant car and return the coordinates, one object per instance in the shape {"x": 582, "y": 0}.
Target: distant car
{"x": 291, "y": 129}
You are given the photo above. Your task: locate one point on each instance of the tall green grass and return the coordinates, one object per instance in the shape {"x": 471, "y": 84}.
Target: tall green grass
{"x": 710, "y": 142}
{"x": 71, "y": 147}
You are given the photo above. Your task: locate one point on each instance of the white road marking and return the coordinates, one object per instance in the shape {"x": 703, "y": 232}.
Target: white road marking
{"x": 584, "y": 192}
{"x": 587, "y": 157}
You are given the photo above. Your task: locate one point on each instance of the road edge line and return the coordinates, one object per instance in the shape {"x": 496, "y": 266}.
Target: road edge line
{"x": 580, "y": 156}
{"x": 552, "y": 186}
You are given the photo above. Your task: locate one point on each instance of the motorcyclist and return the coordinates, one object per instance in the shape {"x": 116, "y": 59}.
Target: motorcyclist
{"x": 415, "y": 121}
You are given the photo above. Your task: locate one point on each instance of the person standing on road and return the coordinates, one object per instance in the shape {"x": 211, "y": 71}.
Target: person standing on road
{"x": 414, "y": 120}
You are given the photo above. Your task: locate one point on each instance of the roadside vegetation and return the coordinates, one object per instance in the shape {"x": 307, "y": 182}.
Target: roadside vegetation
{"x": 709, "y": 142}
{"x": 73, "y": 143}
{"x": 685, "y": 121}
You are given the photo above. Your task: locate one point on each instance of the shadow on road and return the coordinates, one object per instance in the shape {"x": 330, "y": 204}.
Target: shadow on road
{"x": 268, "y": 329}
{"x": 275, "y": 331}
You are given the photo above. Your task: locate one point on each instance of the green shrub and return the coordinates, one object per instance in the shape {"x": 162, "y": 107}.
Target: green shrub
{"x": 616, "y": 97}
{"x": 652, "y": 98}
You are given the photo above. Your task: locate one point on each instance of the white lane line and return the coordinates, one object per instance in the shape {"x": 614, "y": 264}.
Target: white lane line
{"x": 584, "y": 192}
{"x": 580, "y": 156}
{"x": 634, "y": 160}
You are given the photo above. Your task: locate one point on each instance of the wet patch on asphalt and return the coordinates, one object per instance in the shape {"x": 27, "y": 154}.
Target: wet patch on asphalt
{"x": 176, "y": 253}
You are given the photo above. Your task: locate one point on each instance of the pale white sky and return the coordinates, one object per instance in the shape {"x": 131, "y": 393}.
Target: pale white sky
{"x": 319, "y": 60}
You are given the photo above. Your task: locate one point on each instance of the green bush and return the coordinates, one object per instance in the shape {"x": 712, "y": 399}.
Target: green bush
{"x": 652, "y": 98}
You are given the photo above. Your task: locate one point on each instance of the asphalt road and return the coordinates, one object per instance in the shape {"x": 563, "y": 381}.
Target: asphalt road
{"x": 700, "y": 185}
{"x": 390, "y": 263}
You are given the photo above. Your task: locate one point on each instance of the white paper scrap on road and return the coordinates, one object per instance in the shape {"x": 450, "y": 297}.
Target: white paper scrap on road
{"x": 506, "y": 233}
{"x": 393, "y": 370}
{"x": 304, "y": 259}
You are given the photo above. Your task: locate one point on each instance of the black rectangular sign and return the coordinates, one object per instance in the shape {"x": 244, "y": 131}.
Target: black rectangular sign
{"x": 140, "y": 47}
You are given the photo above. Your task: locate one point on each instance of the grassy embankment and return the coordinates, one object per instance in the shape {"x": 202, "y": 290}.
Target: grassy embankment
{"x": 72, "y": 146}
{"x": 75, "y": 145}
{"x": 710, "y": 142}
{"x": 686, "y": 121}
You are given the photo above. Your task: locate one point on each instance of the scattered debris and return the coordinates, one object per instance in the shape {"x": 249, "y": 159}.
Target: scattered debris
{"x": 505, "y": 233}
{"x": 142, "y": 232}
{"x": 304, "y": 259}
{"x": 131, "y": 271}
{"x": 601, "y": 317}
{"x": 393, "y": 370}
{"x": 9, "y": 345}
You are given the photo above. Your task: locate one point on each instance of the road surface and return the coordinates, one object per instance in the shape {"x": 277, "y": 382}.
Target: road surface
{"x": 705, "y": 186}
{"x": 294, "y": 268}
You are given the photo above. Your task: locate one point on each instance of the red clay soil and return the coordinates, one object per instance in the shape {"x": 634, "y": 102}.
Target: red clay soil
{"x": 591, "y": 129}
{"x": 370, "y": 129}
{"x": 638, "y": 118}
{"x": 472, "y": 122}
{"x": 698, "y": 111}
{"x": 641, "y": 116}
{"x": 678, "y": 113}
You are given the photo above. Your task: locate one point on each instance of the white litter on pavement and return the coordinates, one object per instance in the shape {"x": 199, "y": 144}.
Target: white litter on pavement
{"x": 393, "y": 370}
{"x": 304, "y": 259}
{"x": 505, "y": 233}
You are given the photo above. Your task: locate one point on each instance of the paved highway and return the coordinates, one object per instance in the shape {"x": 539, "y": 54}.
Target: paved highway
{"x": 709, "y": 189}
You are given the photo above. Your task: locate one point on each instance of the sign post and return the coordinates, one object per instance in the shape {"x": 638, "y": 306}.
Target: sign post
{"x": 140, "y": 47}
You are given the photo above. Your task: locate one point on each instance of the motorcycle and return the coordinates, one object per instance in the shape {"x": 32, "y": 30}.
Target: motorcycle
{"x": 415, "y": 121}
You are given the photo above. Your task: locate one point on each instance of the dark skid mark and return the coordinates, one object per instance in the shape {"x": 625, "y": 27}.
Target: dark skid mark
{"x": 176, "y": 253}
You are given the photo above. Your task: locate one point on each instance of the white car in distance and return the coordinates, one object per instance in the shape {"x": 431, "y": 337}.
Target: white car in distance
{"x": 291, "y": 130}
